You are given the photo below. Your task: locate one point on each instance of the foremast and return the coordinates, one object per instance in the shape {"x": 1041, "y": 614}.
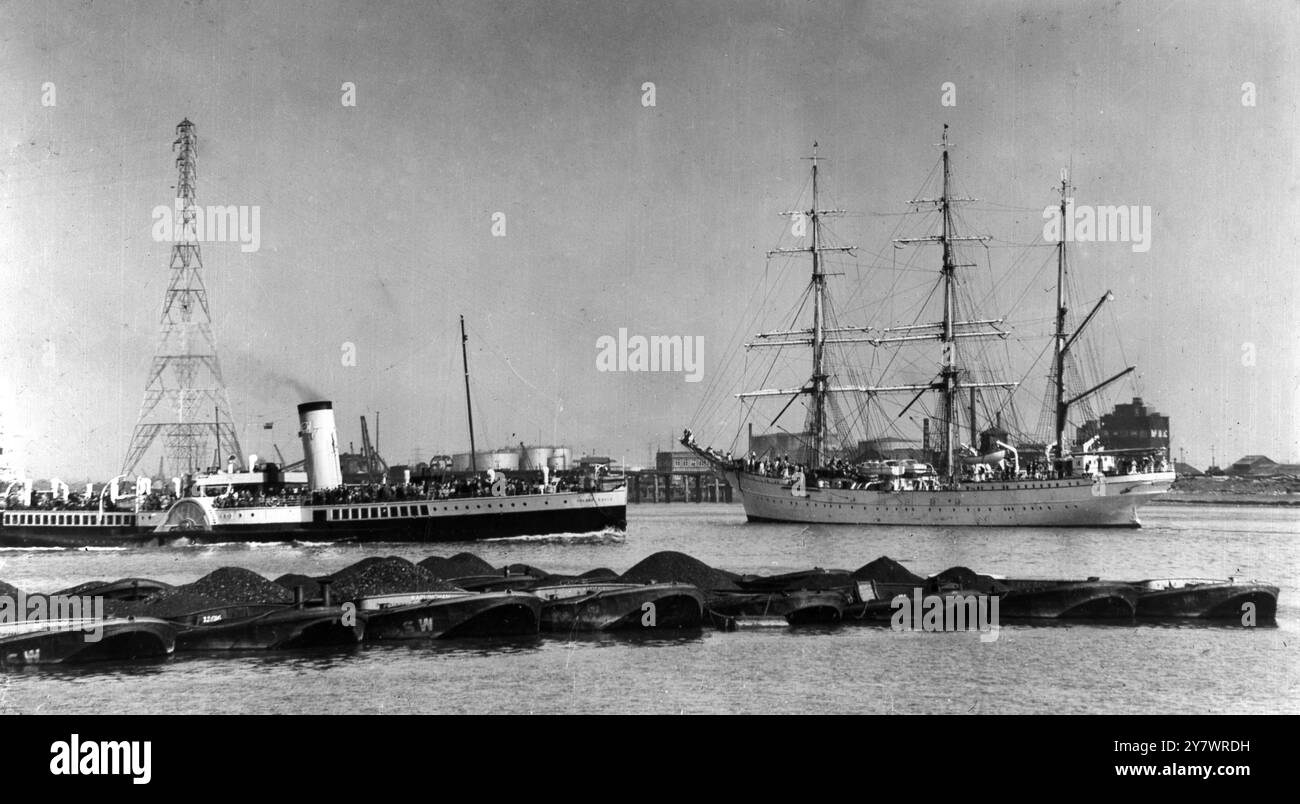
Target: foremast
{"x": 817, "y": 386}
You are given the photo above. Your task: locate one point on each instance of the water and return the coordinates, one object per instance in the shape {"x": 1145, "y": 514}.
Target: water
{"x": 851, "y": 669}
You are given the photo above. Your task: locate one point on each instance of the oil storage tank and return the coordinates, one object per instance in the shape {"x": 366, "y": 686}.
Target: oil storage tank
{"x": 535, "y": 458}
{"x": 505, "y": 460}
{"x": 561, "y": 459}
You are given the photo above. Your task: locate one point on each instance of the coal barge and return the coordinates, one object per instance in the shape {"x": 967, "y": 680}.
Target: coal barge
{"x": 271, "y": 505}
{"x": 387, "y": 599}
{"x": 66, "y": 641}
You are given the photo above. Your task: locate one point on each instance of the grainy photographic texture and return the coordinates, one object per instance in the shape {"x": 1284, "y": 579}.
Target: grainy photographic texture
{"x": 649, "y": 357}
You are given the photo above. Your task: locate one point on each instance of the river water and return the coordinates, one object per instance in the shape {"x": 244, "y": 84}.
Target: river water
{"x": 1077, "y": 668}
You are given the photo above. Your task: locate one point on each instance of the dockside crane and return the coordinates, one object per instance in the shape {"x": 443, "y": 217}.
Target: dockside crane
{"x": 376, "y": 468}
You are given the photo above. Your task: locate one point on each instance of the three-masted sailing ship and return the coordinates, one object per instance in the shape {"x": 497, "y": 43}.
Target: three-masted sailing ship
{"x": 989, "y": 481}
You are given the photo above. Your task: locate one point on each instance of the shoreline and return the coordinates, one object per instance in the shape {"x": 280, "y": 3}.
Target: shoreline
{"x": 1174, "y": 498}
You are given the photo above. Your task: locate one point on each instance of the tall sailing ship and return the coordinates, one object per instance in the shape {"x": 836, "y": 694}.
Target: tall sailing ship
{"x": 987, "y": 481}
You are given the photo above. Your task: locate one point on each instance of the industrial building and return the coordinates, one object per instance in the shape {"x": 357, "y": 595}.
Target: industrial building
{"x": 1135, "y": 425}
{"x": 1261, "y": 466}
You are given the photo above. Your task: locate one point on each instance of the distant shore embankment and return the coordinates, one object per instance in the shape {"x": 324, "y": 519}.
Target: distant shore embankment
{"x": 1284, "y": 490}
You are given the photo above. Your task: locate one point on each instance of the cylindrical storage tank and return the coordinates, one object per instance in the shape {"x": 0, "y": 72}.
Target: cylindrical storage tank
{"x": 535, "y": 458}
{"x": 560, "y": 460}
{"x": 501, "y": 460}
{"x": 320, "y": 447}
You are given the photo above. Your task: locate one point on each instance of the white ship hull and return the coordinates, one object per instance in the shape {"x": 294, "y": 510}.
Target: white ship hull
{"x": 1107, "y": 501}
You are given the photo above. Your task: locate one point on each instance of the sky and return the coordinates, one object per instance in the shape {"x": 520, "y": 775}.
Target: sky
{"x": 503, "y": 161}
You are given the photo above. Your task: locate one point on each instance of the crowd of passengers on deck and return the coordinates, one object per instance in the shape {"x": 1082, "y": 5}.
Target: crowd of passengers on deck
{"x": 858, "y": 474}
{"x": 478, "y": 486}
{"x": 227, "y": 497}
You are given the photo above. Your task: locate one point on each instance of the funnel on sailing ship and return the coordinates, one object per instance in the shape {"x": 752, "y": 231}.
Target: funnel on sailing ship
{"x": 320, "y": 447}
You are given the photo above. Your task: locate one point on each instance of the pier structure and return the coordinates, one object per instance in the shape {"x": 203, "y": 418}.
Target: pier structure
{"x": 654, "y": 486}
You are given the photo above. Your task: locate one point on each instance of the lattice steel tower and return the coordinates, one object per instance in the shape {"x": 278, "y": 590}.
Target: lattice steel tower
{"x": 185, "y": 399}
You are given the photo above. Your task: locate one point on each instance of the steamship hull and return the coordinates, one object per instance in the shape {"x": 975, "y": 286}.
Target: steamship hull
{"x": 14, "y": 534}
{"x": 1108, "y": 501}
{"x": 454, "y": 520}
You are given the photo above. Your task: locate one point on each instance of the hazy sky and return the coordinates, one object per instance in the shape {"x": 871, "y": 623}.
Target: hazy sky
{"x": 376, "y": 220}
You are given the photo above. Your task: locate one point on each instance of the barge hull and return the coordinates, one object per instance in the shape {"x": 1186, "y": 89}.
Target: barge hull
{"x": 488, "y": 614}
{"x": 651, "y": 607}
{"x": 121, "y": 640}
{"x": 279, "y": 629}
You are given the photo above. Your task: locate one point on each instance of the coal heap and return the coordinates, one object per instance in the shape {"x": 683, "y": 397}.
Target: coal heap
{"x": 599, "y": 574}
{"x": 968, "y": 579}
{"x": 814, "y": 579}
{"x": 668, "y": 565}
{"x": 310, "y": 586}
{"x": 886, "y": 570}
{"x": 384, "y": 576}
{"x": 222, "y": 587}
{"x": 461, "y": 565}
{"x": 240, "y": 585}
{"x": 9, "y": 591}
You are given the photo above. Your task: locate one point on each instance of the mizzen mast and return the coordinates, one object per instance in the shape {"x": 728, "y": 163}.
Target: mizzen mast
{"x": 1063, "y": 341}
{"x": 1059, "y": 429}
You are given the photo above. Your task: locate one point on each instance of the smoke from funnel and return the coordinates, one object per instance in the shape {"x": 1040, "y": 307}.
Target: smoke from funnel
{"x": 300, "y": 388}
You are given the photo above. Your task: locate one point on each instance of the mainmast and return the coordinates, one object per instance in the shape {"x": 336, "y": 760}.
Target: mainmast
{"x": 948, "y": 371}
{"x": 818, "y": 342}
{"x": 949, "y": 329}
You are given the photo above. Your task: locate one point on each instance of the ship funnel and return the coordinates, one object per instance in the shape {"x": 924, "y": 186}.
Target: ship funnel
{"x": 320, "y": 446}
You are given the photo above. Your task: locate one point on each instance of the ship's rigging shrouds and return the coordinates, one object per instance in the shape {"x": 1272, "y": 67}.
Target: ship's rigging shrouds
{"x": 928, "y": 350}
